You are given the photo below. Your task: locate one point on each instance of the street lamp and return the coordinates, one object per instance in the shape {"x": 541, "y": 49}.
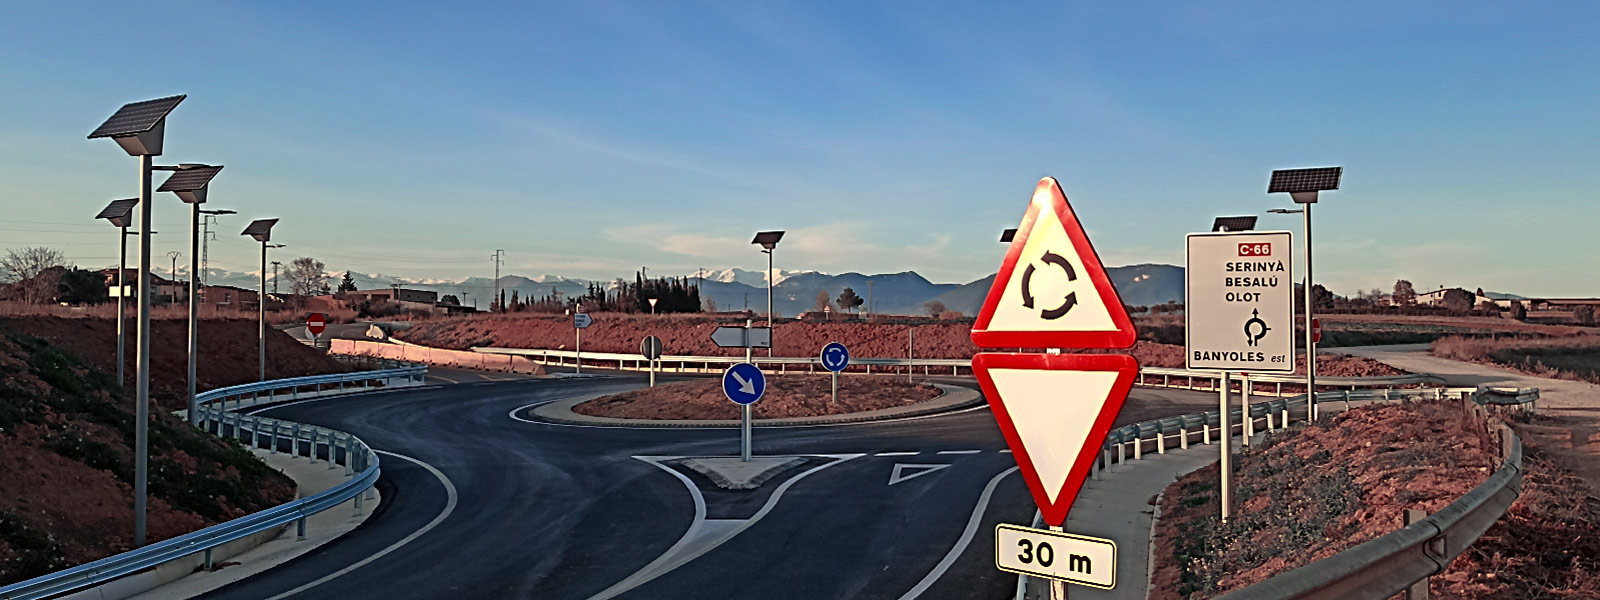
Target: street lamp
{"x": 1247, "y": 223}
{"x": 139, "y": 128}
{"x": 189, "y": 183}
{"x": 768, "y": 241}
{"x": 261, "y": 230}
{"x": 1303, "y": 185}
{"x": 120, "y": 214}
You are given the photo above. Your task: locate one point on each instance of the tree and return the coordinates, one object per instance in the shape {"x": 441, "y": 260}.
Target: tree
{"x": 848, "y": 300}
{"x": 348, "y": 284}
{"x": 79, "y": 286}
{"x": 1404, "y": 294}
{"x": 822, "y": 302}
{"x": 707, "y": 304}
{"x": 933, "y": 307}
{"x": 1458, "y": 300}
{"x": 306, "y": 276}
{"x": 450, "y": 300}
{"x": 28, "y": 270}
{"x": 1518, "y": 311}
{"x": 1321, "y": 298}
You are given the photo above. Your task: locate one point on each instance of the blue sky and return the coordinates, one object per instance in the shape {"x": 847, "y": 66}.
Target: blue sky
{"x": 590, "y": 138}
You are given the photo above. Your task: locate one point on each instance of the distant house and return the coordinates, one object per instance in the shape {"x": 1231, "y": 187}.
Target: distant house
{"x": 160, "y": 287}
{"x": 227, "y": 296}
{"x": 398, "y": 294}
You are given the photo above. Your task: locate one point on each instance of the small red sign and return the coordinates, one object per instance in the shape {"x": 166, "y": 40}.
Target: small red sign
{"x": 1316, "y": 331}
{"x": 316, "y": 323}
{"x": 1255, "y": 249}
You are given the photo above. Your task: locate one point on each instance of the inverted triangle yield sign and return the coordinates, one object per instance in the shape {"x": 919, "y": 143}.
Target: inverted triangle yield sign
{"x": 1052, "y": 291}
{"x": 1055, "y": 411}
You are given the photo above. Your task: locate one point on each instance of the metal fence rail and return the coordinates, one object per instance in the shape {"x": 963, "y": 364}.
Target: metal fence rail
{"x": 338, "y": 448}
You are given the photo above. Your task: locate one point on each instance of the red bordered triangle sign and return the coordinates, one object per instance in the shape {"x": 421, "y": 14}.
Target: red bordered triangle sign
{"x": 1052, "y": 291}
{"x": 1055, "y": 411}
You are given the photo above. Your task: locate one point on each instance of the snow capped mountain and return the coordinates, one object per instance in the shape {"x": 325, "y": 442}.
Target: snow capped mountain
{"x": 752, "y": 278}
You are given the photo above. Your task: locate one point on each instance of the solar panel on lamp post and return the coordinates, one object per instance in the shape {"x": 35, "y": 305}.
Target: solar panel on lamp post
{"x": 768, "y": 240}
{"x": 190, "y": 182}
{"x": 261, "y": 230}
{"x": 139, "y": 128}
{"x": 120, "y": 214}
{"x": 1247, "y": 223}
{"x": 1303, "y": 185}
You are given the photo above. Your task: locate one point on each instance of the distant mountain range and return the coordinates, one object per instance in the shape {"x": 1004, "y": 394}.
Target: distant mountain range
{"x": 736, "y": 289}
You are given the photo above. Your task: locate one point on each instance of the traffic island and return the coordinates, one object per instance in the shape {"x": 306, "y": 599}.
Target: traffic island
{"x": 786, "y": 397}
{"x": 731, "y": 473}
{"x": 947, "y": 398}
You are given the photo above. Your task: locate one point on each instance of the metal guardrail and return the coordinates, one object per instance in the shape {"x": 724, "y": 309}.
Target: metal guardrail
{"x": 1170, "y": 377}
{"x": 358, "y": 459}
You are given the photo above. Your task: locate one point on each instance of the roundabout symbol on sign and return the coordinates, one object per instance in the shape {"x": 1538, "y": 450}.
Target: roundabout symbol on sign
{"x": 1071, "y": 300}
{"x": 1255, "y": 319}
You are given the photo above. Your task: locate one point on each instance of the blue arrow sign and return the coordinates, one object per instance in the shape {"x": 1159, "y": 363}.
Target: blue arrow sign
{"x": 835, "y": 357}
{"x": 744, "y": 383}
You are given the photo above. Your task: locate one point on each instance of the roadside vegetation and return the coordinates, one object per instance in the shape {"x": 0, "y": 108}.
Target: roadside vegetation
{"x": 787, "y": 396}
{"x": 66, "y": 436}
{"x": 1575, "y": 358}
{"x": 1312, "y": 491}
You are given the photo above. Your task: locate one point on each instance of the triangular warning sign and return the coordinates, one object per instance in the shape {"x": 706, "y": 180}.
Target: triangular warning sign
{"x": 1052, "y": 291}
{"x": 1055, "y": 411}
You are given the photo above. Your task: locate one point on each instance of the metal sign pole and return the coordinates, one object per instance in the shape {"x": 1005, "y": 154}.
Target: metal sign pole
{"x": 580, "y": 347}
{"x": 1226, "y": 464}
{"x": 744, "y": 411}
{"x": 1311, "y": 345}
{"x": 910, "y": 345}
{"x": 1244, "y": 403}
{"x": 835, "y": 387}
{"x": 141, "y": 359}
{"x": 1058, "y": 588}
{"x": 652, "y": 372}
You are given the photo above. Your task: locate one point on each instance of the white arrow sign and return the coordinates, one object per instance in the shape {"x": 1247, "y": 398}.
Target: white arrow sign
{"x": 740, "y": 337}
{"x": 745, "y": 385}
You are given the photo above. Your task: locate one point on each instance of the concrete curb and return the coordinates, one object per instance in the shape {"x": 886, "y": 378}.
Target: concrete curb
{"x": 721, "y": 480}
{"x": 952, "y": 399}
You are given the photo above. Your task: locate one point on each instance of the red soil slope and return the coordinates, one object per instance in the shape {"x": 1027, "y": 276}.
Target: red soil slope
{"x": 786, "y": 397}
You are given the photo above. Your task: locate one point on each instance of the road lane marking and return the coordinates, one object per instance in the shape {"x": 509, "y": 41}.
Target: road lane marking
{"x": 449, "y": 507}
{"x": 444, "y": 378}
{"x": 959, "y": 451}
{"x": 898, "y": 474}
{"x": 1006, "y": 451}
{"x": 897, "y": 454}
{"x": 961, "y": 544}
{"x": 704, "y": 535}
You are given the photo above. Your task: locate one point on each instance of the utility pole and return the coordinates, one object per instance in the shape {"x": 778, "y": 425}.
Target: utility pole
{"x": 172, "y": 286}
{"x": 275, "y": 277}
{"x": 497, "y": 299}
{"x": 869, "y": 298}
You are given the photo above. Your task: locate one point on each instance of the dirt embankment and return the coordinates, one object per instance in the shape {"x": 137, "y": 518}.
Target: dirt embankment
{"x": 227, "y": 352}
{"x": 1315, "y": 491}
{"x": 691, "y": 335}
{"x": 787, "y": 396}
{"x": 66, "y": 439}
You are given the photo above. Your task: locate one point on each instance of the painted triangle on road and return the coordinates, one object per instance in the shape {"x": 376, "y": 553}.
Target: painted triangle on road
{"x": 899, "y": 473}
{"x": 1052, "y": 291}
{"x": 1055, "y": 411}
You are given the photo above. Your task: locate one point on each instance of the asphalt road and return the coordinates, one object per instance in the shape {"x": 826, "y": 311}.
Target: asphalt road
{"x": 480, "y": 502}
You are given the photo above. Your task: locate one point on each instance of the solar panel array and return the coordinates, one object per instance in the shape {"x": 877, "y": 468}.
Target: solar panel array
{"x": 1008, "y": 235}
{"x": 137, "y": 117}
{"x": 1234, "y": 224}
{"x": 1305, "y": 180}
{"x": 118, "y": 209}
{"x": 259, "y": 228}
{"x": 767, "y": 237}
{"x": 190, "y": 179}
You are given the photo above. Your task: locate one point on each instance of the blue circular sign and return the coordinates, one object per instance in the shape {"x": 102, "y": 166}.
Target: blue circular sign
{"x": 744, "y": 383}
{"x": 835, "y": 357}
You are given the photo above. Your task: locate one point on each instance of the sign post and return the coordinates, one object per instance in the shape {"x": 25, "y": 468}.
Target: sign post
{"x": 1054, "y": 409}
{"x": 835, "y": 357}
{"x": 316, "y": 324}
{"x": 650, "y": 347}
{"x": 1239, "y": 305}
{"x": 580, "y": 322}
{"x": 744, "y": 383}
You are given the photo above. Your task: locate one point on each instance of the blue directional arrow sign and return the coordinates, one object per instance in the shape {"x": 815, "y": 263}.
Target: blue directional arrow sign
{"x": 744, "y": 383}
{"x": 835, "y": 357}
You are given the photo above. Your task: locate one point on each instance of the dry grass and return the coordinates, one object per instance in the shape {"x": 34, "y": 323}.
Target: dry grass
{"x": 1575, "y": 358}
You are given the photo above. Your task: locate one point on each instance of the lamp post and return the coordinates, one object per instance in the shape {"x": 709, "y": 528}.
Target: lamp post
{"x": 120, "y": 214}
{"x": 261, "y": 230}
{"x": 497, "y": 262}
{"x": 1303, "y": 185}
{"x": 190, "y": 182}
{"x": 768, "y": 240}
{"x": 139, "y": 128}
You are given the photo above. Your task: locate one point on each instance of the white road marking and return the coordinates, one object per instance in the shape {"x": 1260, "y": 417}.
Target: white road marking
{"x": 959, "y": 451}
{"x": 704, "y": 534}
{"x": 443, "y": 378}
{"x": 449, "y": 507}
{"x": 897, "y": 454}
{"x": 1006, "y": 451}
{"x": 961, "y": 544}
{"x": 898, "y": 474}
